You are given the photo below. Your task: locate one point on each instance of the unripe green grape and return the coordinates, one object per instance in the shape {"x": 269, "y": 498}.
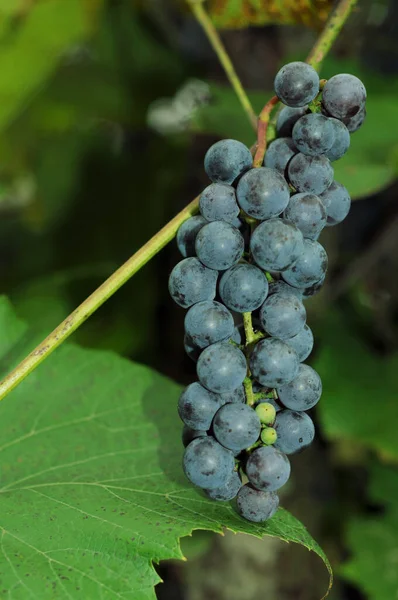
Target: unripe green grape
{"x": 269, "y": 436}
{"x": 266, "y": 413}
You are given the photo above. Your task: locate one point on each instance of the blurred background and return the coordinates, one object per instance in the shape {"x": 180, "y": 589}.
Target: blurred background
{"x": 106, "y": 111}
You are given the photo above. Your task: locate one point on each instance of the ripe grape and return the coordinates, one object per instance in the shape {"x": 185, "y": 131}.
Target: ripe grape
{"x": 302, "y": 343}
{"x": 303, "y": 392}
{"x": 311, "y": 174}
{"x": 237, "y": 395}
{"x": 267, "y": 469}
{"x": 243, "y": 288}
{"x": 354, "y": 123}
{"x": 219, "y": 245}
{"x": 343, "y": 96}
{"x": 217, "y": 202}
{"x": 283, "y": 315}
{"x": 342, "y": 140}
{"x": 191, "y": 282}
{"x": 314, "y": 288}
{"x": 309, "y": 268}
{"x": 280, "y": 286}
{"x": 228, "y": 491}
{"x": 256, "y": 506}
{"x": 278, "y": 154}
{"x": 190, "y": 348}
{"x": 295, "y": 431}
{"x": 189, "y": 434}
{"x": 296, "y": 84}
{"x": 337, "y": 202}
{"x": 273, "y": 362}
{"x": 221, "y": 367}
{"x": 276, "y": 244}
{"x": 266, "y": 412}
{"x": 236, "y": 426}
{"x": 313, "y": 134}
{"x": 308, "y": 213}
{"x": 263, "y": 193}
{"x": 207, "y": 464}
{"x": 187, "y": 233}
{"x": 208, "y": 322}
{"x": 226, "y": 160}
{"x": 287, "y": 119}
{"x": 269, "y": 436}
{"x": 197, "y": 406}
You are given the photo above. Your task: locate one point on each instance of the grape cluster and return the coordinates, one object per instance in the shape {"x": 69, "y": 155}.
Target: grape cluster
{"x": 250, "y": 259}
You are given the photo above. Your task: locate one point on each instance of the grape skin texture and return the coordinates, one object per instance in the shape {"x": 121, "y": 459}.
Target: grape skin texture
{"x": 308, "y": 213}
{"x": 273, "y": 363}
{"x": 263, "y": 193}
{"x": 268, "y": 469}
{"x": 303, "y": 392}
{"x": 217, "y": 202}
{"x": 302, "y": 343}
{"x": 237, "y": 395}
{"x": 266, "y": 412}
{"x": 256, "y": 506}
{"x": 269, "y": 436}
{"x": 287, "y": 118}
{"x": 295, "y": 431}
{"x": 257, "y": 388}
{"x": 207, "y": 464}
{"x": 228, "y": 491}
{"x": 296, "y": 84}
{"x": 314, "y": 288}
{"x": 278, "y": 154}
{"x": 343, "y": 96}
{"x": 276, "y": 244}
{"x": 313, "y": 134}
{"x": 208, "y": 322}
{"x": 190, "y": 348}
{"x": 243, "y": 288}
{"x": 191, "y": 282}
{"x": 354, "y": 123}
{"x": 236, "y": 426}
{"x": 280, "y": 286}
{"x": 189, "y": 434}
{"x": 226, "y": 160}
{"x": 342, "y": 140}
{"x": 311, "y": 174}
{"x": 221, "y": 367}
{"x": 197, "y": 406}
{"x": 219, "y": 245}
{"x": 283, "y": 315}
{"x": 337, "y": 202}
{"x": 309, "y": 268}
{"x": 187, "y": 233}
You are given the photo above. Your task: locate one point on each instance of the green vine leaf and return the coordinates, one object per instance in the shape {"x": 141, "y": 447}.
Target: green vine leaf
{"x": 92, "y": 491}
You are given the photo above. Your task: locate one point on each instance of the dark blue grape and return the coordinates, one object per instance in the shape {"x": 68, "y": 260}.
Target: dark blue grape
{"x": 237, "y": 336}
{"x": 187, "y": 233}
{"x": 219, "y": 245}
{"x": 303, "y": 392}
{"x": 276, "y": 244}
{"x": 197, "y": 406}
{"x": 207, "y": 464}
{"x": 262, "y": 193}
{"x": 208, "y": 322}
{"x": 311, "y": 174}
{"x": 337, "y": 202}
{"x": 189, "y": 434}
{"x": 268, "y": 469}
{"x": 287, "y": 118}
{"x": 308, "y": 213}
{"x": 191, "y": 282}
{"x": 237, "y": 395}
{"x": 218, "y": 203}
{"x": 273, "y": 362}
{"x": 295, "y": 431}
{"x": 236, "y": 426}
{"x": 354, "y": 123}
{"x": 278, "y": 154}
{"x": 302, "y": 343}
{"x": 243, "y": 288}
{"x": 343, "y": 96}
{"x": 296, "y": 84}
{"x": 256, "y": 506}
{"x": 341, "y": 140}
{"x": 221, "y": 367}
{"x": 314, "y": 288}
{"x": 313, "y": 134}
{"x": 190, "y": 348}
{"x": 279, "y": 286}
{"x": 283, "y": 315}
{"x": 309, "y": 268}
{"x": 228, "y": 491}
{"x": 226, "y": 160}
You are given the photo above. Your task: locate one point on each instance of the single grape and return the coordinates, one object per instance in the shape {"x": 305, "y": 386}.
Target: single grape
{"x": 278, "y": 154}
{"x": 267, "y": 469}
{"x": 296, "y": 84}
{"x": 313, "y": 134}
{"x": 295, "y": 431}
{"x": 207, "y": 464}
{"x": 308, "y": 213}
{"x": 314, "y": 288}
{"x": 243, "y": 288}
{"x": 309, "y": 268}
{"x": 269, "y": 436}
{"x": 311, "y": 174}
{"x": 279, "y": 286}
{"x": 237, "y": 395}
{"x": 197, "y": 406}
{"x": 273, "y": 362}
{"x": 219, "y": 245}
{"x": 287, "y": 118}
{"x": 303, "y": 392}
{"x": 208, "y": 322}
{"x": 342, "y": 140}
{"x": 191, "y": 349}
{"x": 256, "y": 506}
{"x": 354, "y": 123}
{"x": 262, "y": 193}
{"x": 217, "y": 202}
{"x": 221, "y": 367}
{"x": 302, "y": 343}
{"x": 337, "y": 202}
{"x": 191, "y": 282}
{"x": 187, "y": 233}
{"x": 189, "y": 434}
{"x": 228, "y": 491}
{"x": 266, "y": 412}
{"x": 276, "y": 244}
{"x": 343, "y": 96}
{"x": 283, "y": 315}
{"x": 236, "y": 426}
{"x": 226, "y": 160}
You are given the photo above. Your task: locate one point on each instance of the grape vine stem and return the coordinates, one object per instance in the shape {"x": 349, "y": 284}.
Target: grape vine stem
{"x": 165, "y": 235}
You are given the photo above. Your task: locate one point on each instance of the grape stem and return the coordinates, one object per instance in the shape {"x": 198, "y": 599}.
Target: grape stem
{"x": 263, "y": 122}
